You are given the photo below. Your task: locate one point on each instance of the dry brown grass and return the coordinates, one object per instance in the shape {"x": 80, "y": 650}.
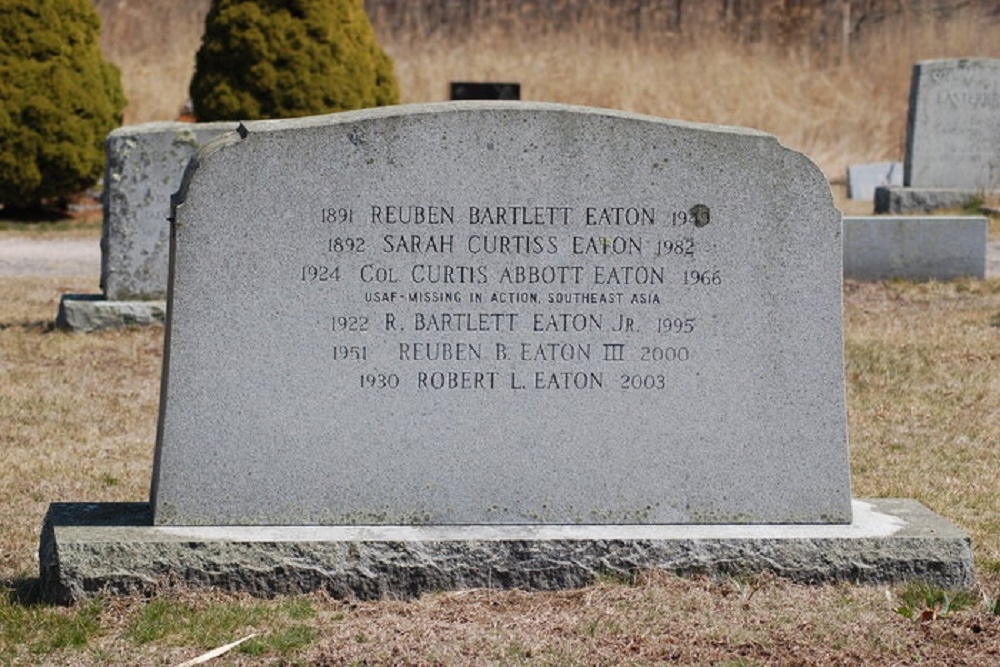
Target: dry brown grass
{"x": 923, "y": 371}
{"x": 838, "y": 114}
{"x": 661, "y": 620}
{"x": 154, "y": 44}
{"x": 78, "y": 412}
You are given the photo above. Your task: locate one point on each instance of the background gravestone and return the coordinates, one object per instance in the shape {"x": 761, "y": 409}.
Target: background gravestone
{"x": 145, "y": 165}
{"x": 862, "y": 179}
{"x": 505, "y": 314}
{"x": 469, "y": 90}
{"x": 953, "y": 128}
{"x": 914, "y": 247}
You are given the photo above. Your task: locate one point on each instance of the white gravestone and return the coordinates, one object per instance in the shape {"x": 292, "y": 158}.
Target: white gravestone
{"x": 862, "y": 179}
{"x": 502, "y": 313}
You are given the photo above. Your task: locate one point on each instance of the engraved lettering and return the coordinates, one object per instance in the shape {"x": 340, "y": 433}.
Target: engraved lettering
{"x": 519, "y": 215}
{"x": 555, "y": 352}
{"x": 414, "y": 243}
{"x": 474, "y": 380}
{"x": 467, "y": 322}
{"x": 440, "y": 351}
{"x": 628, "y": 275}
{"x": 541, "y": 275}
{"x": 630, "y": 215}
{"x": 412, "y": 215}
{"x": 606, "y": 245}
{"x": 448, "y": 274}
{"x": 512, "y": 245}
{"x": 568, "y": 380}
{"x": 563, "y": 322}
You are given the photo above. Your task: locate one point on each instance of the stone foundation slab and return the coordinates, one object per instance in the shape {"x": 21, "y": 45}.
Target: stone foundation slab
{"x": 91, "y": 312}
{"x": 915, "y": 247}
{"x": 87, "y": 549}
{"x": 907, "y": 200}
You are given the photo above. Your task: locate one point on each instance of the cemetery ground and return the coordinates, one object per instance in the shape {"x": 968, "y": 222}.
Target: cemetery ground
{"x": 923, "y": 382}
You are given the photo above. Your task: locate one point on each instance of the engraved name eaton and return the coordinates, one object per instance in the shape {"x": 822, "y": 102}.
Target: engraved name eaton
{"x": 428, "y": 297}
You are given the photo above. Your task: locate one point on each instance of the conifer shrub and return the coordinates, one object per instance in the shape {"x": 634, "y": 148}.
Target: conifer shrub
{"x": 288, "y": 58}
{"x": 58, "y": 101}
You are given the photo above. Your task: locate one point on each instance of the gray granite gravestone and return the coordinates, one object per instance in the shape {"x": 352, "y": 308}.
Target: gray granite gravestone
{"x": 953, "y": 137}
{"x": 953, "y": 127}
{"x": 461, "y": 315}
{"x": 145, "y": 165}
{"x": 915, "y": 247}
{"x": 498, "y": 344}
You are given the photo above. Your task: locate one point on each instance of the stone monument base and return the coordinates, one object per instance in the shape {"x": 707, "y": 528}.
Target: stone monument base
{"x": 91, "y": 312}
{"x": 914, "y": 247}
{"x": 906, "y": 200}
{"x": 87, "y": 549}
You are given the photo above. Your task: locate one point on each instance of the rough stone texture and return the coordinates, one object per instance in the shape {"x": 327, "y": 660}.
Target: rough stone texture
{"x": 908, "y": 201}
{"x": 917, "y": 248}
{"x": 90, "y": 312}
{"x": 88, "y": 549}
{"x": 267, "y": 416}
{"x": 953, "y": 127}
{"x": 862, "y": 179}
{"x": 145, "y": 166}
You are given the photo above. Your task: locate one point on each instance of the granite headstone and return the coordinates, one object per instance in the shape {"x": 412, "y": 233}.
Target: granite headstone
{"x": 502, "y": 313}
{"x": 143, "y": 168}
{"x": 953, "y": 128}
{"x": 915, "y": 247}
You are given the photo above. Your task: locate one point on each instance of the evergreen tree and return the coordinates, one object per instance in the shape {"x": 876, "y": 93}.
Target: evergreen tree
{"x": 287, "y": 58}
{"x": 58, "y": 100}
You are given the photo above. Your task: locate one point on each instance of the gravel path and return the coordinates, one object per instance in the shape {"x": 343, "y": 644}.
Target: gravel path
{"x": 30, "y": 256}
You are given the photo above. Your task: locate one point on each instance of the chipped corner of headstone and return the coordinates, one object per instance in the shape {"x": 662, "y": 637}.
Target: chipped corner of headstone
{"x": 178, "y": 198}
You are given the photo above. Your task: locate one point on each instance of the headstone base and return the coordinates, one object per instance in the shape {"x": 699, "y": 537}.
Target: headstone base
{"x": 90, "y": 312}
{"x": 87, "y": 549}
{"x": 915, "y": 247}
{"x": 890, "y": 199}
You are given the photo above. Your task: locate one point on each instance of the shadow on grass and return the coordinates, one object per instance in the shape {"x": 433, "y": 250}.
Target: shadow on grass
{"x": 36, "y": 326}
{"x": 23, "y": 591}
